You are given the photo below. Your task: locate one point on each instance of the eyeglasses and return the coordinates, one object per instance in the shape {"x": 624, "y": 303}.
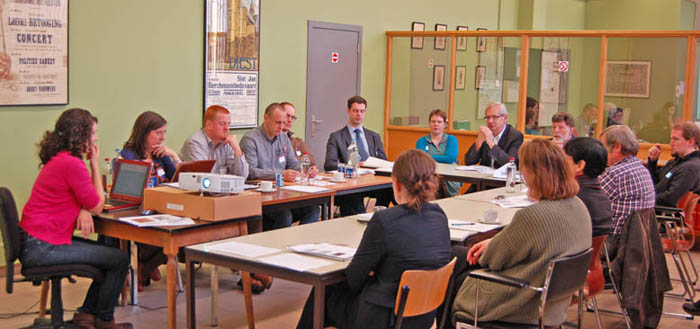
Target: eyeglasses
{"x": 492, "y": 117}
{"x": 293, "y": 117}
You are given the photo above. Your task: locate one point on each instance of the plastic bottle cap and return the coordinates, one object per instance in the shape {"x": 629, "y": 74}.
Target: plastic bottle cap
{"x": 107, "y": 159}
{"x": 512, "y": 159}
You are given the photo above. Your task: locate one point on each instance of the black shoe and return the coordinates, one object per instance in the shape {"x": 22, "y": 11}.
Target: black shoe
{"x": 692, "y": 308}
{"x": 255, "y": 286}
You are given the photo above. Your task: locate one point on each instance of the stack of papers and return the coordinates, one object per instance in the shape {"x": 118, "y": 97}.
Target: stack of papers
{"x": 373, "y": 162}
{"x": 305, "y": 188}
{"x": 518, "y": 201}
{"x": 471, "y": 226}
{"x": 325, "y": 250}
{"x": 242, "y": 249}
{"x": 295, "y": 262}
{"x": 479, "y": 169}
{"x": 157, "y": 220}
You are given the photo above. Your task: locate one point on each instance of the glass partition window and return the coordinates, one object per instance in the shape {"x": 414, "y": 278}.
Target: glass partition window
{"x": 562, "y": 81}
{"x": 645, "y": 85}
{"x": 420, "y": 79}
{"x": 491, "y": 74}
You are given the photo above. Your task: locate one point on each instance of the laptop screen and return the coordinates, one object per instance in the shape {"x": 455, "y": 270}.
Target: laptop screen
{"x": 130, "y": 180}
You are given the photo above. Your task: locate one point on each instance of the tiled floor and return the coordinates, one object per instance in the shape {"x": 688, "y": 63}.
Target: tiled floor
{"x": 277, "y": 308}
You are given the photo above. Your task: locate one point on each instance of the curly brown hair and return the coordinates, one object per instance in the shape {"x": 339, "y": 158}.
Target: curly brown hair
{"x": 71, "y": 133}
{"x": 145, "y": 123}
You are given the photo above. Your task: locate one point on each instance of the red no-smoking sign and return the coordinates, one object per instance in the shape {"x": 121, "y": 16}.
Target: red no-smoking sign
{"x": 563, "y": 66}
{"x": 334, "y": 57}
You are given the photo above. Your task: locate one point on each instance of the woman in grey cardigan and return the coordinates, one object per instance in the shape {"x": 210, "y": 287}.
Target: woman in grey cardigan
{"x": 557, "y": 225}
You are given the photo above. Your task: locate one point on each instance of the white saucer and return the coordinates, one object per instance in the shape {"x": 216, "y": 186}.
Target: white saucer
{"x": 338, "y": 181}
{"x": 498, "y": 221}
{"x": 266, "y": 191}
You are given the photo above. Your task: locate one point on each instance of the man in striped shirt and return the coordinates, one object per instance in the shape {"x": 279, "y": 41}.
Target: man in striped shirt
{"x": 626, "y": 181}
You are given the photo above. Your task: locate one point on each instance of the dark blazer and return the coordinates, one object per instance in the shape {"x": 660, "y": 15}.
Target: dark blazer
{"x": 337, "y": 147}
{"x": 501, "y": 153}
{"x": 597, "y": 203}
{"x": 676, "y": 178}
{"x": 397, "y": 239}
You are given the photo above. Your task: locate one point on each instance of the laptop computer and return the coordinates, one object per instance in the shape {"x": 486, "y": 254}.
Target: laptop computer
{"x": 130, "y": 178}
{"x": 193, "y": 166}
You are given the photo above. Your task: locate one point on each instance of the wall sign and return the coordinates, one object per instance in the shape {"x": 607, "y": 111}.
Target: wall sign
{"x": 33, "y": 52}
{"x": 232, "y": 52}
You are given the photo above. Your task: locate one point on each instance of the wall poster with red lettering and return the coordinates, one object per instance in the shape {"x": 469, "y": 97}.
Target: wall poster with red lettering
{"x": 231, "y": 52}
{"x": 33, "y": 52}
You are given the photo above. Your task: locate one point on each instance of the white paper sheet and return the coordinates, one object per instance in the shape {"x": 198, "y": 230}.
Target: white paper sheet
{"x": 373, "y": 162}
{"x": 480, "y": 169}
{"x": 321, "y": 183}
{"x": 364, "y": 217}
{"x": 157, "y": 220}
{"x": 471, "y": 226}
{"x": 326, "y": 250}
{"x": 305, "y": 188}
{"x": 519, "y": 201}
{"x": 295, "y": 261}
{"x": 243, "y": 249}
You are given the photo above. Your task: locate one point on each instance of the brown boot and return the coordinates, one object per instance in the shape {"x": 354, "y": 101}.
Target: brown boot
{"x": 99, "y": 324}
{"x": 83, "y": 320}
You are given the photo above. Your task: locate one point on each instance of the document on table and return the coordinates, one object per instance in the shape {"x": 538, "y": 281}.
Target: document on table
{"x": 471, "y": 226}
{"x": 321, "y": 183}
{"x": 242, "y": 249}
{"x": 364, "y": 218}
{"x": 326, "y": 250}
{"x": 518, "y": 201}
{"x": 305, "y": 188}
{"x": 479, "y": 169}
{"x": 295, "y": 261}
{"x": 373, "y": 162}
{"x": 157, "y": 220}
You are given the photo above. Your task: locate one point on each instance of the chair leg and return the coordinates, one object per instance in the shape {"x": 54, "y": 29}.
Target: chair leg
{"x": 692, "y": 266}
{"x": 214, "y": 317}
{"x": 597, "y": 314}
{"x": 180, "y": 287}
{"x": 615, "y": 290}
{"x": 56, "y": 303}
{"x": 580, "y": 309}
{"x": 43, "y": 298}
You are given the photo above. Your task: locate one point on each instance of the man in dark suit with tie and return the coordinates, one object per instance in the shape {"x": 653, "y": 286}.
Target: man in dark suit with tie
{"x": 368, "y": 144}
{"x": 496, "y": 142}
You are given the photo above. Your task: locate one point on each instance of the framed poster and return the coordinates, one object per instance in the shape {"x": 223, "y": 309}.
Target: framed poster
{"x": 440, "y": 41}
{"x": 462, "y": 41}
{"x": 480, "y": 77}
{"x": 628, "y": 79}
{"x": 417, "y": 42}
{"x": 439, "y": 77}
{"x": 480, "y": 41}
{"x": 460, "y": 77}
{"x": 33, "y": 52}
{"x": 231, "y": 55}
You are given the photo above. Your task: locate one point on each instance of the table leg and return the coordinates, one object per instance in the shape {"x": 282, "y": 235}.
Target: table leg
{"x": 319, "y": 305}
{"x": 331, "y": 207}
{"x": 214, "y": 320}
{"x": 44, "y": 297}
{"x": 124, "y": 246}
{"x": 134, "y": 273}
{"x": 172, "y": 290}
{"x": 191, "y": 315}
{"x": 248, "y": 298}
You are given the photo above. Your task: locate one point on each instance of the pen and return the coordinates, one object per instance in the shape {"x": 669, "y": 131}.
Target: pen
{"x": 461, "y": 224}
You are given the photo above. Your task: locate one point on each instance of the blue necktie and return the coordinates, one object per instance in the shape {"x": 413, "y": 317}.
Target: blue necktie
{"x": 360, "y": 145}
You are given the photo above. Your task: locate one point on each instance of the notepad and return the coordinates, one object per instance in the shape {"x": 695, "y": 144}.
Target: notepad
{"x": 295, "y": 261}
{"x": 326, "y": 250}
{"x": 242, "y": 249}
{"x": 305, "y": 188}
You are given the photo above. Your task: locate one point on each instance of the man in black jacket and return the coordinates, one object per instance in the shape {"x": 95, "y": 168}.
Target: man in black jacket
{"x": 588, "y": 157}
{"x": 496, "y": 142}
{"x": 681, "y": 174}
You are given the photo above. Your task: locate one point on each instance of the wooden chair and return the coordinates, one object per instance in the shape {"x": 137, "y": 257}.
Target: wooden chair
{"x": 420, "y": 292}
{"x": 595, "y": 279}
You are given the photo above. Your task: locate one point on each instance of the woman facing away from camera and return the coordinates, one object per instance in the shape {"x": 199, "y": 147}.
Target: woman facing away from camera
{"x": 64, "y": 197}
{"x": 413, "y": 235}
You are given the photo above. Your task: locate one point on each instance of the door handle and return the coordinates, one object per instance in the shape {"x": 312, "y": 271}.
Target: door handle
{"x": 314, "y": 122}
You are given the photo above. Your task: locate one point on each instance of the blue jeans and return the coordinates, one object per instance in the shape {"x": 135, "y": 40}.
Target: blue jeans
{"x": 101, "y": 297}
{"x": 284, "y": 218}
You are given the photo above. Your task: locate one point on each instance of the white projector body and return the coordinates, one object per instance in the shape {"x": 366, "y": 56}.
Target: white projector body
{"x": 208, "y": 182}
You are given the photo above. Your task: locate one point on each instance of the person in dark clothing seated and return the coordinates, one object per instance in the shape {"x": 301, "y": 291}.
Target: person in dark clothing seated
{"x": 682, "y": 174}
{"x": 588, "y": 158}
{"x": 412, "y": 235}
{"x": 496, "y": 142}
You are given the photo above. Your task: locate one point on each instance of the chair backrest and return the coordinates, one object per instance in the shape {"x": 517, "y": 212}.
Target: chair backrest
{"x": 427, "y": 289}
{"x": 595, "y": 278}
{"x": 566, "y": 275}
{"x": 10, "y": 234}
{"x": 689, "y": 208}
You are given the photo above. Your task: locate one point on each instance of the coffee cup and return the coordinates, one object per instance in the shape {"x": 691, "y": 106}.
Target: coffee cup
{"x": 266, "y": 185}
{"x": 338, "y": 176}
{"x": 490, "y": 216}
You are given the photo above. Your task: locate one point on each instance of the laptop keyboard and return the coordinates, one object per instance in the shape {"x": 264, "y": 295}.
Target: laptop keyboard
{"x": 117, "y": 202}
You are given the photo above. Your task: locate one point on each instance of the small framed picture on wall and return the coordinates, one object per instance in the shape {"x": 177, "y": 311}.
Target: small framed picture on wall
{"x": 439, "y": 77}
{"x": 460, "y": 77}
{"x": 462, "y": 41}
{"x": 417, "y": 42}
{"x": 480, "y": 76}
{"x": 440, "y": 41}
{"x": 480, "y": 42}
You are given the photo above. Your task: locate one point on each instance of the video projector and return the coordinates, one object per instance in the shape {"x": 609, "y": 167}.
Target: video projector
{"x": 208, "y": 182}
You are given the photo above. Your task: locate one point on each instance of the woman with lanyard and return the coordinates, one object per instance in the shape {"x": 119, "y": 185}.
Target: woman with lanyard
{"x": 441, "y": 146}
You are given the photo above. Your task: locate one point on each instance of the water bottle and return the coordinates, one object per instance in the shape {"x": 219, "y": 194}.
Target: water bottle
{"x": 305, "y": 167}
{"x": 354, "y": 158}
{"x": 510, "y": 176}
{"x": 107, "y": 176}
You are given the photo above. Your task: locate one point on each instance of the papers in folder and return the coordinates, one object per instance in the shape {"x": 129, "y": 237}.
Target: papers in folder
{"x": 325, "y": 250}
{"x": 373, "y": 162}
{"x": 157, "y": 220}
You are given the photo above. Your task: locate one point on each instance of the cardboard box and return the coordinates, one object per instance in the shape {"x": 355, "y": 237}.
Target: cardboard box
{"x": 178, "y": 202}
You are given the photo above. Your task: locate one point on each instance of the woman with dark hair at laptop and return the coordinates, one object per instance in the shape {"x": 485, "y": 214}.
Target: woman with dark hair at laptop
{"x": 64, "y": 197}
{"x": 146, "y": 144}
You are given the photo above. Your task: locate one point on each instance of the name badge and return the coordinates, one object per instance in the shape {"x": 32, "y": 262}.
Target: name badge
{"x": 160, "y": 172}
{"x": 298, "y": 153}
{"x": 427, "y": 148}
{"x": 281, "y": 159}
{"x": 669, "y": 174}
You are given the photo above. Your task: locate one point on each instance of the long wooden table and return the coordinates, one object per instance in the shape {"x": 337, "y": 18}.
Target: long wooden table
{"x": 347, "y": 231}
{"x": 448, "y": 172}
{"x": 170, "y": 239}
